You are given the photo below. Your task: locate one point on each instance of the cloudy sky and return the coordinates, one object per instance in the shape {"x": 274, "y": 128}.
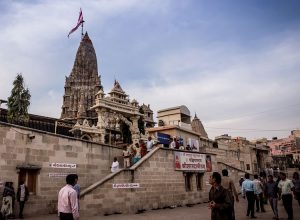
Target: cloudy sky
{"x": 234, "y": 63}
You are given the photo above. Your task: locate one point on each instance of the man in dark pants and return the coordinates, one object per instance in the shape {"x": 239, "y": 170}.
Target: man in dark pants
{"x": 248, "y": 191}
{"x": 219, "y": 197}
{"x": 259, "y": 198}
{"x": 228, "y": 184}
{"x": 22, "y": 197}
{"x": 286, "y": 187}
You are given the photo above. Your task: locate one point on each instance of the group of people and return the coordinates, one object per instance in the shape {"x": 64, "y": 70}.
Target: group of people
{"x": 68, "y": 199}
{"x": 9, "y": 197}
{"x": 133, "y": 153}
{"x": 265, "y": 188}
{"x": 223, "y": 194}
{"x": 176, "y": 144}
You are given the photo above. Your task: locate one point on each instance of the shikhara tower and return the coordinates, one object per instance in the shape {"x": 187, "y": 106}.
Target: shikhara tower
{"x": 82, "y": 85}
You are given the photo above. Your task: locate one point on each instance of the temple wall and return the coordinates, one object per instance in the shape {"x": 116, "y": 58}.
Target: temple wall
{"x": 20, "y": 146}
{"x": 160, "y": 186}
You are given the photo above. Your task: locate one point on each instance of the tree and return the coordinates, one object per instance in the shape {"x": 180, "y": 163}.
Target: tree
{"x": 19, "y": 101}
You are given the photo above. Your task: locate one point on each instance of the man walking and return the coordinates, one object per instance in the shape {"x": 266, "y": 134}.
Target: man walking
{"x": 228, "y": 184}
{"x": 248, "y": 191}
{"x": 259, "y": 198}
{"x": 286, "y": 187}
{"x": 67, "y": 200}
{"x": 219, "y": 198}
{"x": 22, "y": 197}
{"x": 271, "y": 194}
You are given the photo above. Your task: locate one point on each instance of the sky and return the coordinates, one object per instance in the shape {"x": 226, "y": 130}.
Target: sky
{"x": 236, "y": 64}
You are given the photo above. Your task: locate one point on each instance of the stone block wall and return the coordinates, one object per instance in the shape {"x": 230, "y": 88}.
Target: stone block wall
{"x": 160, "y": 186}
{"x": 92, "y": 161}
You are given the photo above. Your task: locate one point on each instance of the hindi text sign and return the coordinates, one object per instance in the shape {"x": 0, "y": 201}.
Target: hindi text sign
{"x": 190, "y": 161}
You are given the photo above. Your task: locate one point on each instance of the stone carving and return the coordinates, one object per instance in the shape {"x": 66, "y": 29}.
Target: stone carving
{"x": 82, "y": 85}
{"x": 86, "y": 104}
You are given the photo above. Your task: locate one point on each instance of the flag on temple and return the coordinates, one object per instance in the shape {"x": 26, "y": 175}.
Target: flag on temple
{"x": 79, "y": 22}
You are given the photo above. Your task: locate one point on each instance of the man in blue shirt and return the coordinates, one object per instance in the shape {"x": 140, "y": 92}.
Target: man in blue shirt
{"x": 248, "y": 191}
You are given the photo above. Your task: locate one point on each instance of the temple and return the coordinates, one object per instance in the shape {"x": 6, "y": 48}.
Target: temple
{"x": 82, "y": 85}
{"x": 112, "y": 119}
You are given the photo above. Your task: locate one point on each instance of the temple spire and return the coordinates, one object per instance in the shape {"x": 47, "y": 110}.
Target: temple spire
{"x": 83, "y": 83}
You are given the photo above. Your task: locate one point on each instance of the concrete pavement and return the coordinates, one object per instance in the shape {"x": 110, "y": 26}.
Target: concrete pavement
{"x": 191, "y": 213}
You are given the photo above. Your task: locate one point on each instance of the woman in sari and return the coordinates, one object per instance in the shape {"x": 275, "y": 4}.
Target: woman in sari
{"x": 7, "y": 201}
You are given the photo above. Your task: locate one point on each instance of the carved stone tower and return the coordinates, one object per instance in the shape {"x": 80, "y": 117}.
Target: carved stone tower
{"x": 82, "y": 85}
{"x": 198, "y": 127}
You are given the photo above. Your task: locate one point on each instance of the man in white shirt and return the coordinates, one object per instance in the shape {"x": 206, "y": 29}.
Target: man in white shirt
{"x": 286, "y": 187}
{"x": 150, "y": 144}
{"x": 258, "y": 191}
{"x": 173, "y": 143}
{"x": 67, "y": 204}
{"x": 115, "y": 165}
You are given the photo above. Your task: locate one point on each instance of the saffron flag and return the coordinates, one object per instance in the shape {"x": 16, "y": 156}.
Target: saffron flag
{"x": 79, "y": 22}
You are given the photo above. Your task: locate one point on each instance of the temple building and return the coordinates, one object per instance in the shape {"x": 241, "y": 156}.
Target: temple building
{"x": 198, "y": 127}
{"x": 111, "y": 119}
{"x": 82, "y": 84}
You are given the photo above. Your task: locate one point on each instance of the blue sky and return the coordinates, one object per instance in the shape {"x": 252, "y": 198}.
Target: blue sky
{"x": 235, "y": 63}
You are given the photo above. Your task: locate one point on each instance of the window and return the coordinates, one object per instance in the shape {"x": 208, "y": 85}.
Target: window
{"x": 188, "y": 181}
{"x": 30, "y": 179}
{"x": 255, "y": 167}
{"x": 199, "y": 181}
{"x": 242, "y": 165}
{"x": 248, "y": 166}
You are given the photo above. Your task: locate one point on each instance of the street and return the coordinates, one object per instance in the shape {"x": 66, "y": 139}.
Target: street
{"x": 191, "y": 213}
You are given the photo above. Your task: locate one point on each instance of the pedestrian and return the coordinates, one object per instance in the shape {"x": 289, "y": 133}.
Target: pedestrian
{"x": 173, "y": 143}
{"x": 137, "y": 153}
{"x": 286, "y": 187}
{"x": 219, "y": 197}
{"x": 259, "y": 196}
{"x": 149, "y": 144}
{"x": 115, "y": 165}
{"x": 67, "y": 204}
{"x": 228, "y": 184}
{"x": 271, "y": 193}
{"x": 188, "y": 147}
{"x": 241, "y": 181}
{"x": 296, "y": 182}
{"x": 22, "y": 197}
{"x": 143, "y": 148}
{"x": 7, "y": 201}
{"x": 126, "y": 156}
{"x": 77, "y": 189}
{"x": 248, "y": 192}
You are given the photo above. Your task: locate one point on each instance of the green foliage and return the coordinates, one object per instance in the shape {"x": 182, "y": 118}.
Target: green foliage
{"x": 19, "y": 101}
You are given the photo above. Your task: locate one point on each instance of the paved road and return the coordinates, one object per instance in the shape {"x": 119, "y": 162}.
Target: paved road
{"x": 191, "y": 213}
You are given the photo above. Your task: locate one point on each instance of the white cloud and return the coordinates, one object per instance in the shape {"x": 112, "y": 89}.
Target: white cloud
{"x": 217, "y": 79}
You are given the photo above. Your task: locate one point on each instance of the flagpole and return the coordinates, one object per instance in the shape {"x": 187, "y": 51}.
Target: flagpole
{"x": 82, "y": 29}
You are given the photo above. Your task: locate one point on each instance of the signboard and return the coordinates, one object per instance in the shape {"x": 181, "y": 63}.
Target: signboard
{"x": 63, "y": 165}
{"x": 163, "y": 138}
{"x": 190, "y": 161}
{"x": 125, "y": 185}
{"x": 58, "y": 175}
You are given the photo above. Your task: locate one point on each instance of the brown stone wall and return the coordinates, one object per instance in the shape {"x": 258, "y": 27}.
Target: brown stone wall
{"x": 16, "y": 148}
{"x": 160, "y": 186}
